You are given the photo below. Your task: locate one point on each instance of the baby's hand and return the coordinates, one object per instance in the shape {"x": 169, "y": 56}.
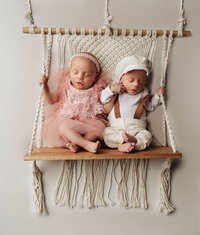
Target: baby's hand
{"x": 117, "y": 88}
{"x": 43, "y": 80}
{"x": 160, "y": 91}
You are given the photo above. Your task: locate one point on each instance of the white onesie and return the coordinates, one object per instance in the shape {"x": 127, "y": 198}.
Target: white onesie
{"x": 134, "y": 127}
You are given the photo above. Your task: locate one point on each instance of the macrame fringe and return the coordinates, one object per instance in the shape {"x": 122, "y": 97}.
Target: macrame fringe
{"x": 63, "y": 188}
{"x": 94, "y": 174}
{"x": 122, "y": 193}
{"x": 139, "y": 174}
{"x": 93, "y": 191}
{"x": 38, "y": 193}
{"x": 142, "y": 183}
{"x": 134, "y": 194}
{"x": 165, "y": 205}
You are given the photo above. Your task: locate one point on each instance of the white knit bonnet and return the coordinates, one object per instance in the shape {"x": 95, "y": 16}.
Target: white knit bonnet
{"x": 88, "y": 56}
{"x": 129, "y": 63}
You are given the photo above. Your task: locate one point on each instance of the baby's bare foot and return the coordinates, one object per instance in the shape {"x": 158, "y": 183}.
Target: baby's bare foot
{"x": 72, "y": 147}
{"x": 127, "y": 147}
{"x": 93, "y": 147}
{"x": 128, "y": 138}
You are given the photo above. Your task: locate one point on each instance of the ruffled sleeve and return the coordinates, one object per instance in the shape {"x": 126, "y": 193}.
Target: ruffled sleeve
{"x": 59, "y": 83}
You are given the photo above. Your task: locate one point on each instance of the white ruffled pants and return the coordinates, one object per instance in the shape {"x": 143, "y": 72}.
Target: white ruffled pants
{"x": 134, "y": 127}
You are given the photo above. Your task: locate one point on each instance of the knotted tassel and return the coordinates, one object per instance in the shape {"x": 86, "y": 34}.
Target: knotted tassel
{"x": 165, "y": 205}
{"x": 38, "y": 193}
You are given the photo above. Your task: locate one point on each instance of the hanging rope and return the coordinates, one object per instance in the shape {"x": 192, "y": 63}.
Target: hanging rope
{"x": 167, "y": 44}
{"x": 38, "y": 193}
{"x": 181, "y": 20}
{"x": 46, "y": 69}
{"x": 40, "y": 106}
{"x": 107, "y": 18}
{"x": 165, "y": 185}
{"x": 29, "y": 14}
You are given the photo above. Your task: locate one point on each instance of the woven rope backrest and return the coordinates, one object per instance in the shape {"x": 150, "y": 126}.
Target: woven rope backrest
{"x": 108, "y": 49}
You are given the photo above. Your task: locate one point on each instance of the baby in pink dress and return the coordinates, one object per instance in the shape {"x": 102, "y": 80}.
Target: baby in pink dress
{"x": 74, "y": 115}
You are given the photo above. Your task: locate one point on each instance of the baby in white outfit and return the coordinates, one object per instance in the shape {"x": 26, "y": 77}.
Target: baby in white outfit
{"x": 127, "y": 101}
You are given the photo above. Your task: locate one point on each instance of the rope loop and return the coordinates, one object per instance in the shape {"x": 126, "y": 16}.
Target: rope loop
{"x": 67, "y": 31}
{"x": 82, "y": 31}
{"x": 180, "y": 34}
{"x": 115, "y": 32}
{"x": 164, "y": 33}
{"x": 108, "y": 31}
{"x": 74, "y": 31}
{"x": 139, "y": 32}
{"x": 91, "y": 31}
{"x": 123, "y": 32}
{"x": 131, "y": 32}
{"x": 31, "y": 29}
{"x": 148, "y": 34}
{"x": 99, "y": 32}
{"x": 154, "y": 33}
{"x": 42, "y": 31}
{"x": 58, "y": 31}
{"x": 49, "y": 31}
{"x": 171, "y": 39}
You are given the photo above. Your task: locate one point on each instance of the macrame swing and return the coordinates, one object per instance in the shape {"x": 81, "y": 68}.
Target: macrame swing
{"x": 109, "y": 46}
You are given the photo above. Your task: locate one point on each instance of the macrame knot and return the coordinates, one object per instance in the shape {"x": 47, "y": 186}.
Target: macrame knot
{"x": 29, "y": 15}
{"x": 182, "y": 20}
{"x": 107, "y": 19}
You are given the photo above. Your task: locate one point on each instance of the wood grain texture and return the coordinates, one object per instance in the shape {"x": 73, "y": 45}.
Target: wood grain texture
{"x": 103, "y": 153}
{"x": 37, "y": 30}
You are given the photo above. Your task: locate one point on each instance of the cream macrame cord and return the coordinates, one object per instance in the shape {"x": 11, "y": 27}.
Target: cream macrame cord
{"x": 38, "y": 193}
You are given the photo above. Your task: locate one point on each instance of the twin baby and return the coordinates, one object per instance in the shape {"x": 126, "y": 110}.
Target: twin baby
{"x": 85, "y": 109}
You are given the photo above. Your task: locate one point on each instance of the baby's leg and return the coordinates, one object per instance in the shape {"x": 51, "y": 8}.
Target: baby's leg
{"x": 144, "y": 139}
{"x": 91, "y": 136}
{"x": 128, "y": 138}
{"x": 126, "y": 147}
{"x": 130, "y": 142}
{"x": 72, "y": 147}
{"x": 66, "y": 143}
{"x": 113, "y": 137}
{"x": 77, "y": 139}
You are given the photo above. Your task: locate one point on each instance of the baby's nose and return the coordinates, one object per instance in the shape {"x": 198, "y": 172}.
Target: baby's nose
{"x": 80, "y": 76}
{"x": 135, "y": 83}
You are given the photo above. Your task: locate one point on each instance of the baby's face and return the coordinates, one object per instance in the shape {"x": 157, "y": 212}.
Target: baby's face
{"x": 134, "y": 81}
{"x": 83, "y": 73}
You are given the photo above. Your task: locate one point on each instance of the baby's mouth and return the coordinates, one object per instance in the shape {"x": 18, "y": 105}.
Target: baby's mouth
{"x": 134, "y": 90}
{"x": 79, "y": 83}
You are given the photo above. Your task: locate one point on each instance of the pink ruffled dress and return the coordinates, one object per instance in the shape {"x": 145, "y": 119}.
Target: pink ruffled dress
{"x": 80, "y": 109}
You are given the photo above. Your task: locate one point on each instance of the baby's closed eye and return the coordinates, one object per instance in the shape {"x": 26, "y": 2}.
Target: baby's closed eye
{"x": 87, "y": 74}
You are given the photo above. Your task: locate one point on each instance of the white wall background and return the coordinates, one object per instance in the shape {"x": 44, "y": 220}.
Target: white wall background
{"x": 20, "y": 63}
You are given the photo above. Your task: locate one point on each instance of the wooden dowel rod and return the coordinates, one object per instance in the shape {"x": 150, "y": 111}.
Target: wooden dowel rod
{"x": 78, "y": 31}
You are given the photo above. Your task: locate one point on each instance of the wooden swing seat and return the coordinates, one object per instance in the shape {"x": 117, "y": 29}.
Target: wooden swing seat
{"x": 58, "y": 153}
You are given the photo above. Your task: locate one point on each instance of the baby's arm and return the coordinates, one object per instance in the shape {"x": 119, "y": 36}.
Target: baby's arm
{"x": 46, "y": 93}
{"x": 153, "y": 103}
{"x": 109, "y": 94}
{"x": 108, "y": 106}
